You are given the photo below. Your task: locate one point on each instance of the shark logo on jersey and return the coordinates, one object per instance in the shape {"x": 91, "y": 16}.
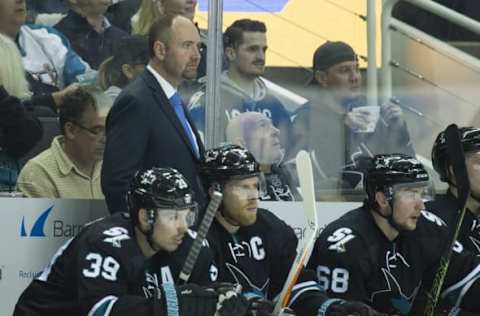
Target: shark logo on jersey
{"x": 151, "y": 285}
{"x": 392, "y": 257}
{"x": 242, "y": 279}
{"x": 394, "y": 293}
{"x": 116, "y": 236}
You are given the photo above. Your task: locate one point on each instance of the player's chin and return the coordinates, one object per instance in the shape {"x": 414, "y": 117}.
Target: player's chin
{"x": 172, "y": 246}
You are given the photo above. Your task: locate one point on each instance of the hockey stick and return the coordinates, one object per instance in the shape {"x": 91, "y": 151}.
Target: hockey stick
{"x": 457, "y": 158}
{"x": 305, "y": 175}
{"x": 201, "y": 234}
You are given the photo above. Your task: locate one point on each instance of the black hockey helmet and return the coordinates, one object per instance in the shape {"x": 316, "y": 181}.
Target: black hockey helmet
{"x": 159, "y": 188}
{"x": 388, "y": 170}
{"x": 470, "y": 137}
{"x": 227, "y": 162}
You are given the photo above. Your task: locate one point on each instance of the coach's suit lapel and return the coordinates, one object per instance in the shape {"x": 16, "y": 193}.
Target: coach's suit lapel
{"x": 164, "y": 104}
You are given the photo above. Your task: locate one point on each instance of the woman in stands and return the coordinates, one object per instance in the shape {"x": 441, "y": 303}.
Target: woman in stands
{"x": 19, "y": 129}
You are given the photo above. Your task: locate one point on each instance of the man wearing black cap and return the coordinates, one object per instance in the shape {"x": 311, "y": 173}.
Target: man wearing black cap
{"x": 338, "y": 109}
{"x": 89, "y": 31}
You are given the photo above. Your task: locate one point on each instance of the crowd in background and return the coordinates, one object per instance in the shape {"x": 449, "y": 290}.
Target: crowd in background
{"x": 65, "y": 63}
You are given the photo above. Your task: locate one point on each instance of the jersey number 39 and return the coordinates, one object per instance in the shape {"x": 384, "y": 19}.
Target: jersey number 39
{"x": 106, "y": 267}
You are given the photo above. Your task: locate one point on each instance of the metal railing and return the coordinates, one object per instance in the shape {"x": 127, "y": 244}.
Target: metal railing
{"x": 388, "y": 23}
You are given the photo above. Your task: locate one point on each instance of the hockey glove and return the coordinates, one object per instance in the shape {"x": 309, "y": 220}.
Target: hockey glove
{"x": 259, "y": 306}
{"x": 230, "y": 301}
{"x": 222, "y": 299}
{"x": 188, "y": 300}
{"x": 338, "y": 307}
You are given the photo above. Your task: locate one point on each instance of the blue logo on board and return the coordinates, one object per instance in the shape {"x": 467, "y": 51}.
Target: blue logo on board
{"x": 38, "y": 226}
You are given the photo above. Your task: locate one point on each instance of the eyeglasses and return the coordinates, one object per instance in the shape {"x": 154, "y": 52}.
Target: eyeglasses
{"x": 96, "y": 131}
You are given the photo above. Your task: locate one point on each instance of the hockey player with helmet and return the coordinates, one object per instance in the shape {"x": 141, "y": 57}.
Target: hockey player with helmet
{"x": 385, "y": 251}
{"x": 446, "y": 205}
{"x": 254, "y": 247}
{"x": 106, "y": 269}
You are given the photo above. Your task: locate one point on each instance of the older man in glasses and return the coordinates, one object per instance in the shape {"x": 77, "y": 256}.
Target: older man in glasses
{"x": 70, "y": 168}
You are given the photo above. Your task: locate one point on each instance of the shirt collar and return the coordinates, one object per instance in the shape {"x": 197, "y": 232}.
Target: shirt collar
{"x": 166, "y": 86}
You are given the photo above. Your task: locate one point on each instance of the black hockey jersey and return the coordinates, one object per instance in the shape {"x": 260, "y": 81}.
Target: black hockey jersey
{"x": 353, "y": 259}
{"x": 102, "y": 271}
{"x": 278, "y": 186}
{"x": 259, "y": 257}
{"x": 446, "y": 207}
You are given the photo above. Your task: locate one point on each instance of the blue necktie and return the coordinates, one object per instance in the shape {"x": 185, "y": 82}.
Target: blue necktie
{"x": 177, "y": 104}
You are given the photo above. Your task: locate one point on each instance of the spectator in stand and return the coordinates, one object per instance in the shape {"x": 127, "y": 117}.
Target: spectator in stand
{"x": 47, "y": 57}
{"x": 12, "y": 77}
{"x": 91, "y": 34}
{"x": 336, "y": 126}
{"x": 127, "y": 63}
{"x": 36, "y": 7}
{"x": 255, "y": 132}
{"x": 242, "y": 89}
{"x": 19, "y": 129}
{"x": 120, "y": 13}
{"x": 70, "y": 168}
{"x": 150, "y": 10}
{"x": 19, "y": 132}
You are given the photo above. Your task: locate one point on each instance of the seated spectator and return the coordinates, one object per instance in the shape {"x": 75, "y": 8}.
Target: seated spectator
{"x": 47, "y": 57}
{"x": 47, "y": 6}
{"x": 12, "y": 74}
{"x": 120, "y": 13}
{"x": 70, "y": 168}
{"x": 44, "y": 7}
{"x": 255, "y": 132}
{"x": 12, "y": 77}
{"x": 89, "y": 31}
{"x": 128, "y": 61}
{"x": 241, "y": 88}
{"x": 19, "y": 132}
{"x": 150, "y": 10}
{"x": 336, "y": 126}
